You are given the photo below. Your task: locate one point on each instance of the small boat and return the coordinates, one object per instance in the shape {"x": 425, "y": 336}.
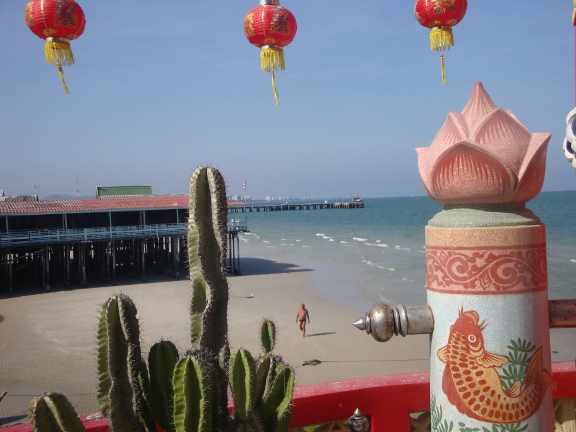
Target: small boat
{"x": 357, "y": 199}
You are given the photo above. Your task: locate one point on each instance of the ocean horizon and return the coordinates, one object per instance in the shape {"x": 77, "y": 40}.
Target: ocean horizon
{"x": 364, "y": 256}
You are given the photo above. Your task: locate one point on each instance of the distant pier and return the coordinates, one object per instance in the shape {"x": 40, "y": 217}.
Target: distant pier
{"x": 246, "y": 208}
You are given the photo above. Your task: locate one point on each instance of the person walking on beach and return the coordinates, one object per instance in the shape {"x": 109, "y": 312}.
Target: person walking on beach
{"x": 301, "y": 318}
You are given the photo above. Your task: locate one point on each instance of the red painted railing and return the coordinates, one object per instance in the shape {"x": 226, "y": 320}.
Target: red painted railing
{"x": 387, "y": 400}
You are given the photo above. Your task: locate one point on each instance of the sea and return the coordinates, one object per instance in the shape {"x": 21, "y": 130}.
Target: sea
{"x": 358, "y": 257}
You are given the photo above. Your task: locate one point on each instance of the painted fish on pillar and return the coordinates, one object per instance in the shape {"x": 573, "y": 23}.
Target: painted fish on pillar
{"x": 486, "y": 273}
{"x": 471, "y": 380}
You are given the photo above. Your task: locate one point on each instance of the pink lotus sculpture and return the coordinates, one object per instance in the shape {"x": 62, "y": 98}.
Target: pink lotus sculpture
{"x": 483, "y": 155}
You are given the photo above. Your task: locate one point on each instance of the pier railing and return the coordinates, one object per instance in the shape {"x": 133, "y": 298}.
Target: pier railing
{"x": 245, "y": 208}
{"x": 392, "y": 403}
{"x": 62, "y": 235}
{"x": 238, "y": 225}
{"x": 48, "y": 236}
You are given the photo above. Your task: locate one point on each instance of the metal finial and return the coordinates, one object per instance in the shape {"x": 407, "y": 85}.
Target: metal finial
{"x": 357, "y": 422}
{"x": 360, "y": 323}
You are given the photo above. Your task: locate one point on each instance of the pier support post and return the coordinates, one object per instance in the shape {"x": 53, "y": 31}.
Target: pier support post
{"x": 142, "y": 244}
{"x": 10, "y": 267}
{"x": 175, "y": 257}
{"x": 113, "y": 252}
{"x": 67, "y": 264}
{"x": 47, "y": 268}
{"x": 82, "y": 263}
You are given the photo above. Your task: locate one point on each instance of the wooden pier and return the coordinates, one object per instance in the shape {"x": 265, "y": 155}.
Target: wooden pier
{"x": 78, "y": 242}
{"x": 249, "y": 208}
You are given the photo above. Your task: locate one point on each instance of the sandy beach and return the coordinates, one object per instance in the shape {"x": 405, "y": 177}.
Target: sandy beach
{"x": 48, "y": 339}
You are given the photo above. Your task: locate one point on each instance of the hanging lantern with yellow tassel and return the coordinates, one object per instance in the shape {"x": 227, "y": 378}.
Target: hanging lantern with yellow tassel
{"x": 58, "y": 22}
{"x": 440, "y": 16}
{"x": 270, "y": 27}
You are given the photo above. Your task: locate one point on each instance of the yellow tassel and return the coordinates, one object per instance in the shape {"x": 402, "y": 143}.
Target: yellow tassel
{"x": 441, "y": 38}
{"x": 275, "y": 90}
{"x": 61, "y": 73}
{"x": 58, "y": 52}
{"x": 272, "y": 59}
{"x": 442, "y": 70}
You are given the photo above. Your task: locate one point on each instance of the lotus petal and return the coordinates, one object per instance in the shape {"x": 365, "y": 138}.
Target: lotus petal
{"x": 467, "y": 174}
{"x": 479, "y": 105}
{"x": 531, "y": 176}
{"x": 484, "y": 155}
{"x": 505, "y": 136}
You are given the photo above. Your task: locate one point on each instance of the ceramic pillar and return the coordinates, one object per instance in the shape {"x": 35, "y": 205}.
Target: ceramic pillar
{"x": 490, "y": 367}
{"x": 490, "y": 349}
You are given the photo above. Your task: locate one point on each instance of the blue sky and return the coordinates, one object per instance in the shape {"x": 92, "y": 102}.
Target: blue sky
{"x": 160, "y": 87}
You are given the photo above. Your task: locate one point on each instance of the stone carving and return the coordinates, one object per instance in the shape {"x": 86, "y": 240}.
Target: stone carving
{"x": 483, "y": 155}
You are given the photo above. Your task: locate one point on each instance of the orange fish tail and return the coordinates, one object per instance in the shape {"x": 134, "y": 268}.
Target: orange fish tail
{"x": 537, "y": 375}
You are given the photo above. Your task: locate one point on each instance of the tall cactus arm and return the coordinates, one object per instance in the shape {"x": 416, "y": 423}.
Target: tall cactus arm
{"x": 192, "y": 405}
{"x": 207, "y": 239}
{"x": 242, "y": 378}
{"x": 52, "y": 412}
{"x": 162, "y": 359}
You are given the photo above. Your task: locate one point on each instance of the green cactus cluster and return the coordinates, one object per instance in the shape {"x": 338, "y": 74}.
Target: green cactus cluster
{"x": 262, "y": 389}
{"x": 189, "y": 392}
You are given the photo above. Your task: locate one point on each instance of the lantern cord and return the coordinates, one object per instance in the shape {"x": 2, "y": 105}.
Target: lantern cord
{"x": 61, "y": 73}
{"x": 275, "y": 90}
{"x": 442, "y": 69}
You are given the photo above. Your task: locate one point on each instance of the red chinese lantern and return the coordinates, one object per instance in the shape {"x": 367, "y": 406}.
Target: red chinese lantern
{"x": 440, "y": 16}
{"x": 270, "y": 27}
{"x": 58, "y": 22}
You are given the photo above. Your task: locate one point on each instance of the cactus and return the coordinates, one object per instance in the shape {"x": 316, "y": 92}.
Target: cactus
{"x": 192, "y": 403}
{"x": 207, "y": 240}
{"x": 120, "y": 394}
{"x": 52, "y": 412}
{"x": 268, "y": 335}
{"x": 190, "y": 393}
{"x": 162, "y": 360}
{"x": 242, "y": 376}
{"x": 276, "y": 413}
{"x": 262, "y": 397}
{"x": 207, "y": 246}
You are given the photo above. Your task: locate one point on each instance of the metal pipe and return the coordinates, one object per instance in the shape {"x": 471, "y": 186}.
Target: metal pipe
{"x": 562, "y": 313}
{"x": 384, "y": 321}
